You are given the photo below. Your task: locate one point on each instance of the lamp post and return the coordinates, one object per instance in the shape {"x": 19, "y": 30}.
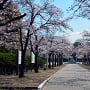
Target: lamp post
{"x": 47, "y": 49}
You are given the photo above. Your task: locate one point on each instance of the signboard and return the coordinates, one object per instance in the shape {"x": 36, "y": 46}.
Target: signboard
{"x": 19, "y": 57}
{"x": 32, "y": 57}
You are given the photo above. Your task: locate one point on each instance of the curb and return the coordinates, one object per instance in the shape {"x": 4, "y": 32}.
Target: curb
{"x": 40, "y": 87}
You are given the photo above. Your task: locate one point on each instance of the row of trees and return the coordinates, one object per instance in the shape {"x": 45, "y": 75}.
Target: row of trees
{"x": 81, "y": 8}
{"x": 82, "y": 47}
{"x": 29, "y": 32}
{"x": 58, "y": 49}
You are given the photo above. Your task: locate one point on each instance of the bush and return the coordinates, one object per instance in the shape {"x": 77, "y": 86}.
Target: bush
{"x": 27, "y": 60}
{"x": 41, "y": 61}
{"x": 10, "y": 59}
{"x": 7, "y": 59}
{"x": 3, "y": 50}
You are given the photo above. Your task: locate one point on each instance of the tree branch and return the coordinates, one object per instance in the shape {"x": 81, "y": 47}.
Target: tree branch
{"x": 14, "y": 19}
{"x": 40, "y": 40}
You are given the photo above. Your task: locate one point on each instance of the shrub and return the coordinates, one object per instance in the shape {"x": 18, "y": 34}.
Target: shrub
{"x": 7, "y": 59}
{"x": 41, "y": 61}
{"x": 3, "y": 50}
{"x": 27, "y": 60}
{"x": 10, "y": 59}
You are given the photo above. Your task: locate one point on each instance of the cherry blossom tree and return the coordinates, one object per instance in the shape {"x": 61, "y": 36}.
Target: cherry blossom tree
{"x": 39, "y": 18}
{"x": 86, "y": 37}
{"x": 4, "y": 5}
{"x": 58, "y": 48}
{"x": 82, "y": 47}
{"x": 9, "y": 24}
{"x": 9, "y": 31}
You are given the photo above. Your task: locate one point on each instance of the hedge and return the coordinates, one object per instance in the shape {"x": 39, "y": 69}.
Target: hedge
{"x": 10, "y": 59}
{"x": 27, "y": 60}
{"x": 7, "y": 59}
{"x": 3, "y": 50}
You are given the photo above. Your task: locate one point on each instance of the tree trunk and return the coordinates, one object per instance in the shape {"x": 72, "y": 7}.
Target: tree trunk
{"x": 89, "y": 59}
{"x": 36, "y": 58}
{"x": 59, "y": 59}
{"x": 52, "y": 60}
{"x": 23, "y": 49}
{"x": 17, "y": 67}
{"x": 55, "y": 60}
{"x": 49, "y": 60}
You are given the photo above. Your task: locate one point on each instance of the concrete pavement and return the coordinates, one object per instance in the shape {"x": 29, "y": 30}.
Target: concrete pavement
{"x": 71, "y": 77}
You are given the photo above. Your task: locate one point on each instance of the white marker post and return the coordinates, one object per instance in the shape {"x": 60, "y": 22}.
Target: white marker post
{"x": 19, "y": 57}
{"x": 32, "y": 58}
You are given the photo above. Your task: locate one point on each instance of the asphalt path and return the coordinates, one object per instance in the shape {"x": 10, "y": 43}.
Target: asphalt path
{"x": 71, "y": 77}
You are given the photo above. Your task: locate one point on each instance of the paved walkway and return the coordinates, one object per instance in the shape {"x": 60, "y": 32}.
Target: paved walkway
{"x": 71, "y": 77}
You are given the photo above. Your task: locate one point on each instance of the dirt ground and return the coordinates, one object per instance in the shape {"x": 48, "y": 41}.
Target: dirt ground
{"x": 31, "y": 79}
